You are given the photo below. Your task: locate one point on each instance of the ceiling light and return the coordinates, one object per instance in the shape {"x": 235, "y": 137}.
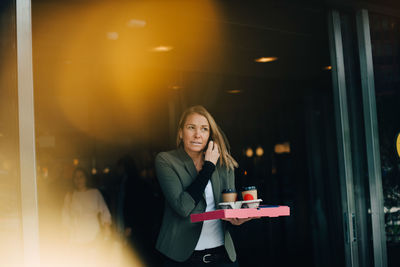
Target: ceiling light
{"x": 162, "y": 48}
{"x": 265, "y": 59}
{"x": 175, "y": 87}
{"x": 112, "y": 35}
{"x": 136, "y": 23}
{"x": 233, "y": 91}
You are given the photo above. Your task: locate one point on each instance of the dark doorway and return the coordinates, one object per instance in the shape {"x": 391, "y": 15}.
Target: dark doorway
{"x": 112, "y": 77}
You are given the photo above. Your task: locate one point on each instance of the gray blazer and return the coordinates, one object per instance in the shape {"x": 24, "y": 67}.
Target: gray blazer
{"x": 178, "y": 235}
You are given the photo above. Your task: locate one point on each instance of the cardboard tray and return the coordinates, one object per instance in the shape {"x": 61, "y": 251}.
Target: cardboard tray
{"x": 261, "y": 211}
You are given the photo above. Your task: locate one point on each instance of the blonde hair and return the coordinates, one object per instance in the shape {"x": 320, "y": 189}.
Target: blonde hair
{"x": 216, "y": 135}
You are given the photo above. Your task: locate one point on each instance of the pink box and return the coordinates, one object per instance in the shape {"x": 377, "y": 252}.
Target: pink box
{"x": 262, "y": 211}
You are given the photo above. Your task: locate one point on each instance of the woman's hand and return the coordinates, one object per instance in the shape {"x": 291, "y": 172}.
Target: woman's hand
{"x": 212, "y": 153}
{"x": 236, "y": 221}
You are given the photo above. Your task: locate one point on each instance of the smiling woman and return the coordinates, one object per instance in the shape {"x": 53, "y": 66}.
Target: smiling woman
{"x": 185, "y": 174}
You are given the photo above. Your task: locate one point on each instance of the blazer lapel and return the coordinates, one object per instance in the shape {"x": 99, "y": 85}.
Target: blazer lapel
{"x": 216, "y": 185}
{"x": 189, "y": 164}
{"x": 191, "y": 169}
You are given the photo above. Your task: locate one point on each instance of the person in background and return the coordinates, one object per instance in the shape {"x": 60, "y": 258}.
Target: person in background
{"x": 192, "y": 178}
{"x": 86, "y": 218}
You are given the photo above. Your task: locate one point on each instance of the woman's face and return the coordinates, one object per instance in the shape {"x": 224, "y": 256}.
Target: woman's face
{"x": 80, "y": 180}
{"x": 195, "y": 133}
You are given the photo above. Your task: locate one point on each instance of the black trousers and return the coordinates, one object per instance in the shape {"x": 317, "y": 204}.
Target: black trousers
{"x": 215, "y": 257}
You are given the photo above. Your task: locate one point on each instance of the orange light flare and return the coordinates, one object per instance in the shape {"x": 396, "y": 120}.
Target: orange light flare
{"x": 95, "y": 60}
{"x": 120, "y": 57}
{"x": 64, "y": 254}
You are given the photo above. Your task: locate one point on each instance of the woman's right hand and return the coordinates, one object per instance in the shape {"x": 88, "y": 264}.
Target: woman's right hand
{"x": 212, "y": 153}
{"x": 237, "y": 221}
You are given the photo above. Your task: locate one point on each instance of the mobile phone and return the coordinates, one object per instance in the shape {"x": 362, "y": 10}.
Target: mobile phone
{"x": 208, "y": 142}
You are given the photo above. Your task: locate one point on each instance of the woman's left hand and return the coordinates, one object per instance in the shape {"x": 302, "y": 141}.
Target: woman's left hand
{"x": 237, "y": 221}
{"x": 212, "y": 152}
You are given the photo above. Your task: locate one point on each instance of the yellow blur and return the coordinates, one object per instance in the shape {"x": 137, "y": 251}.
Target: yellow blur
{"x": 117, "y": 59}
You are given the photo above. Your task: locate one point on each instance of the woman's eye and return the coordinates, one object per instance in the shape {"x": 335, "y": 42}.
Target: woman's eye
{"x": 190, "y": 127}
{"x": 204, "y": 129}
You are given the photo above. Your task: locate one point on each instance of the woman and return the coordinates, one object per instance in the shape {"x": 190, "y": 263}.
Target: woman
{"x": 84, "y": 214}
{"x": 200, "y": 166}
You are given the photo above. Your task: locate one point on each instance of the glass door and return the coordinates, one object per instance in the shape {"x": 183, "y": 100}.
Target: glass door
{"x": 10, "y": 206}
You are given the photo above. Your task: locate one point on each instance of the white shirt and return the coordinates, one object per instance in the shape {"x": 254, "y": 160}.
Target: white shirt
{"x": 80, "y": 215}
{"x": 211, "y": 234}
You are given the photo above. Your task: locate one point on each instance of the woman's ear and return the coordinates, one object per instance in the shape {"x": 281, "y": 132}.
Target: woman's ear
{"x": 180, "y": 134}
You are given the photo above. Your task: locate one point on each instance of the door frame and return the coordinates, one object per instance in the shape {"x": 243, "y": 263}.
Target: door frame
{"x": 26, "y": 120}
{"x": 343, "y": 129}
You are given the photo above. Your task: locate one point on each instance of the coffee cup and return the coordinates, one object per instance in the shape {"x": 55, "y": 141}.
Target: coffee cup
{"x": 229, "y": 195}
{"x": 249, "y": 193}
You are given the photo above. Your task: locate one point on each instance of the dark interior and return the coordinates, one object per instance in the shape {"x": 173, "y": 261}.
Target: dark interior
{"x": 100, "y": 94}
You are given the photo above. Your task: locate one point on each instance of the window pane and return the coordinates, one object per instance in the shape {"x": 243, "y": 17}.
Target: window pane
{"x": 10, "y": 217}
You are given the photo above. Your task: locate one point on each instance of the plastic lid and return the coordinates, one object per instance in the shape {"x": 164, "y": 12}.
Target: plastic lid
{"x": 229, "y": 190}
{"x": 247, "y": 188}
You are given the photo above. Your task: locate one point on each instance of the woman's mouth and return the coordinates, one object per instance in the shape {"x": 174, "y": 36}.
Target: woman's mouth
{"x": 196, "y": 143}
